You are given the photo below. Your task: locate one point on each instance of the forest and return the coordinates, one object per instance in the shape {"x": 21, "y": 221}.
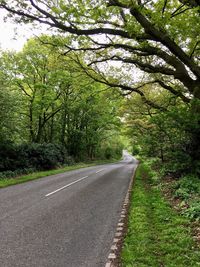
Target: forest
{"x": 106, "y": 70}
{"x": 52, "y": 113}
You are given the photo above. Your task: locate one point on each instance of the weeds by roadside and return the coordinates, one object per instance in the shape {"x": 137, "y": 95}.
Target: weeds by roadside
{"x": 4, "y": 182}
{"x": 157, "y": 235}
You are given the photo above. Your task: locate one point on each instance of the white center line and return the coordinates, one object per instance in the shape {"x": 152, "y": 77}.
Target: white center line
{"x": 100, "y": 170}
{"x": 59, "y": 189}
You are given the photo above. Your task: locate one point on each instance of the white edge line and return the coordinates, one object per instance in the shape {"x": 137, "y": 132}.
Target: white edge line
{"x": 59, "y": 189}
{"x": 100, "y": 170}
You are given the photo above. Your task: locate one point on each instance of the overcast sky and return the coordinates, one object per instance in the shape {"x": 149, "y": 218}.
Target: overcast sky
{"x": 7, "y": 34}
{"x": 13, "y": 37}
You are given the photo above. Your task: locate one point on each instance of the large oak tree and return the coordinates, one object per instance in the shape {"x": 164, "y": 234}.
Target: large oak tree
{"x": 158, "y": 37}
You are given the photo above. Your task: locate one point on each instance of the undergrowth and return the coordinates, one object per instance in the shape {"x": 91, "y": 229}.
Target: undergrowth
{"x": 187, "y": 189}
{"x": 157, "y": 235}
{"x": 4, "y": 182}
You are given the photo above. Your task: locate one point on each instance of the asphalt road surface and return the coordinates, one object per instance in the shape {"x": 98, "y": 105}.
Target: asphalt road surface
{"x": 64, "y": 220}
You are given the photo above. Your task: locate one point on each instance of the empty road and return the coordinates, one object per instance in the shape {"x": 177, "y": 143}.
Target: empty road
{"x": 64, "y": 220}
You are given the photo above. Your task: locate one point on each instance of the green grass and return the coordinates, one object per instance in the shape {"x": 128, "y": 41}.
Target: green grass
{"x": 157, "y": 235}
{"x": 32, "y": 176}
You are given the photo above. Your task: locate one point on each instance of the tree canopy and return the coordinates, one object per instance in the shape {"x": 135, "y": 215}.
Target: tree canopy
{"x": 146, "y": 50}
{"x": 158, "y": 37}
{"x": 48, "y": 100}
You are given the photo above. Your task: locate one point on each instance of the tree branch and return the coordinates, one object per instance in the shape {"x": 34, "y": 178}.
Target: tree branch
{"x": 164, "y": 6}
{"x": 121, "y": 86}
{"x": 173, "y": 91}
{"x": 195, "y": 47}
{"x": 22, "y": 88}
{"x": 182, "y": 11}
{"x": 143, "y": 66}
{"x": 56, "y": 24}
{"x": 163, "y": 38}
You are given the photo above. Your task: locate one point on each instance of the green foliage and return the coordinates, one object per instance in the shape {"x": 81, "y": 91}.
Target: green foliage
{"x": 41, "y": 156}
{"x": 9, "y": 101}
{"x": 187, "y": 188}
{"x": 147, "y": 167}
{"x": 136, "y": 150}
{"x": 182, "y": 193}
{"x": 112, "y": 152}
{"x": 16, "y": 173}
{"x": 156, "y": 235}
{"x": 157, "y": 37}
{"x": 53, "y": 101}
{"x": 108, "y": 152}
{"x": 193, "y": 212}
{"x": 189, "y": 183}
{"x": 20, "y": 159}
{"x": 111, "y": 147}
{"x": 7, "y": 181}
{"x": 172, "y": 135}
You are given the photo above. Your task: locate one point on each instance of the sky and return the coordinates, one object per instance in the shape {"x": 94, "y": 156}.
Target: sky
{"x": 12, "y": 36}
{"x": 8, "y": 39}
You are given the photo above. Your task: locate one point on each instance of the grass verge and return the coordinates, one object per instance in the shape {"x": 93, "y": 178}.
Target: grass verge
{"x": 33, "y": 176}
{"x": 157, "y": 235}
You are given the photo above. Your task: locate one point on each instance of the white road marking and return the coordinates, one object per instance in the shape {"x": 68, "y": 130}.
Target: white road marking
{"x": 59, "y": 189}
{"x": 100, "y": 170}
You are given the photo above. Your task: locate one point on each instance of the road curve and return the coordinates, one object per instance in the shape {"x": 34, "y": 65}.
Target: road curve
{"x": 64, "y": 220}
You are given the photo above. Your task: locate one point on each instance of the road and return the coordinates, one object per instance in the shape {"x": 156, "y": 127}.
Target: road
{"x": 64, "y": 220}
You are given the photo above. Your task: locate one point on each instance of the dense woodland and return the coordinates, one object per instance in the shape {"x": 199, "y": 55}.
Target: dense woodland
{"x": 52, "y": 113}
{"x": 107, "y": 68}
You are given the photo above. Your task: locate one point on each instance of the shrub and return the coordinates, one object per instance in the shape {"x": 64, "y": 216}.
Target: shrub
{"x": 193, "y": 212}
{"x": 7, "y": 156}
{"x": 188, "y": 183}
{"x": 181, "y": 193}
{"x": 18, "y": 172}
{"x": 44, "y": 156}
{"x": 18, "y": 158}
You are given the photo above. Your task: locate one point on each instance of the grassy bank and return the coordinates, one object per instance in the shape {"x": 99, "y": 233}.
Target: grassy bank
{"x": 36, "y": 175}
{"x": 157, "y": 235}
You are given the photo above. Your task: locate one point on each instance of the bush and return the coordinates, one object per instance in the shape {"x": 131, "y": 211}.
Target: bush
{"x": 189, "y": 183}
{"x": 41, "y": 156}
{"x": 17, "y": 159}
{"x": 193, "y": 212}
{"x": 8, "y": 154}
{"x": 18, "y": 172}
{"x": 181, "y": 193}
{"x": 187, "y": 186}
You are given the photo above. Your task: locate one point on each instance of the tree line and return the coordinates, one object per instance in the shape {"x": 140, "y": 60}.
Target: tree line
{"x": 120, "y": 41}
{"x": 51, "y": 112}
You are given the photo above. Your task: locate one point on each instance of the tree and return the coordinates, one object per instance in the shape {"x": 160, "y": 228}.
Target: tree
{"x": 38, "y": 75}
{"x": 156, "y": 37}
{"x": 160, "y": 38}
{"x": 58, "y": 104}
{"x": 9, "y": 102}
{"x": 166, "y": 135}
